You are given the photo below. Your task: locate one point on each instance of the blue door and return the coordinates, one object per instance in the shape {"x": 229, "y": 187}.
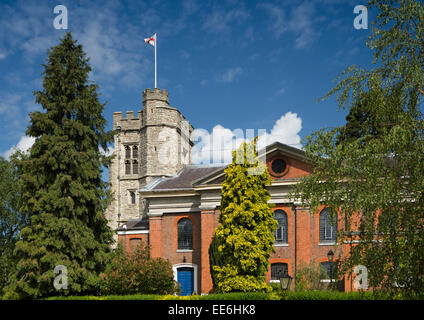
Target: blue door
{"x": 185, "y": 277}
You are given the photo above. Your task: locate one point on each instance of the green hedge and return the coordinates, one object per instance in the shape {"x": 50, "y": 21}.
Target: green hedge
{"x": 290, "y": 295}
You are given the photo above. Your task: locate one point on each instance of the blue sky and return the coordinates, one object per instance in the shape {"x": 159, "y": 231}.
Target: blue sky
{"x": 226, "y": 64}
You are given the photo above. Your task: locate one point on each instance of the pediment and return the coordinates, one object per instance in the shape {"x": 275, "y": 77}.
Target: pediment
{"x": 295, "y": 160}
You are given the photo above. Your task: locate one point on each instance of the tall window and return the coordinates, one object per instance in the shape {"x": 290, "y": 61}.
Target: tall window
{"x": 327, "y": 226}
{"x": 132, "y": 196}
{"x": 135, "y": 152}
{"x": 278, "y": 270}
{"x": 127, "y": 152}
{"x": 127, "y": 167}
{"x": 131, "y": 159}
{"x": 135, "y": 167}
{"x": 185, "y": 234}
{"x": 281, "y": 233}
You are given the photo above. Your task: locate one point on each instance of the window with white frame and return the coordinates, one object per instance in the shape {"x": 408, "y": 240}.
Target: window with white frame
{"x": 185, "y": 234}
{"x": 280, "y": 234}
{"x": 327, "y": 226}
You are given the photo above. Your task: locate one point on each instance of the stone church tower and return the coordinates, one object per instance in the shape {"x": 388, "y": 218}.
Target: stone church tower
{"x": 153, "y": 144}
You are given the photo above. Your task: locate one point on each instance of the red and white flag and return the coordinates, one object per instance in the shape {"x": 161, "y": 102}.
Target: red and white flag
{"x": 151, "y": 40}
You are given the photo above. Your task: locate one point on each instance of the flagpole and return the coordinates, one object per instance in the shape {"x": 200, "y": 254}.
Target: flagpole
{"x": 156, "y": 44}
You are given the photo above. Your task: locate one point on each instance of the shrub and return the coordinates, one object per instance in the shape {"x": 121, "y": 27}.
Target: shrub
{"x": 245, "y": 234}
{"x": 137, "y": 273}
{"x": 309, "y": 277}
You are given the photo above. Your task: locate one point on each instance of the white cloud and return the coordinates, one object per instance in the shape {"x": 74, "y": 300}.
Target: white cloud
{"x": 231, "y": 74}
{"x": 107, "y": 153}
{"x": 24, "y": 144}
{"x": 9, "y": 104}
{"x": 302, "y": 21}
{"x": 2, "y": 55}
{"x": 286, "y": 130}
{"x": 217, "y": 147}
{"x": 219, "y": 20}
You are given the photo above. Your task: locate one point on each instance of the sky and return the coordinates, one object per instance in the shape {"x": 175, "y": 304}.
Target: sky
{"x": 226, "y": 64}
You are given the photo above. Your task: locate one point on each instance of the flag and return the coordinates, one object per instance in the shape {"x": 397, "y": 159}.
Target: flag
{"x": 151, "y": 40}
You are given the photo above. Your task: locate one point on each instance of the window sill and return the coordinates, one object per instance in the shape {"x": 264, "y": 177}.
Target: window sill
{"x": 281, "y": 245}
{"x": 185, "y": 250}
{"x": 326, "y": 243}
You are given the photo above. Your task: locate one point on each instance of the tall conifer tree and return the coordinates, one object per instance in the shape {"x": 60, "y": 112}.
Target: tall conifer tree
{"x": 245, "y": 235}
{"x": 63, "y": 191}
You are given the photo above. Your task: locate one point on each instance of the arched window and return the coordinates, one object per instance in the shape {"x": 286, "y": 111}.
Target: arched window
{"x": 132, "y": 195}
{"x": 278, "y": 270}
{"x": 127, "y": 167}
{"x": 327, "y": 226}
{"x": 135, "y": 152}
{"x": 127, "y": 152}
{"x": 281, "y": 233}
{"x": 185, "y": 234}
{"x": 135, "y": 167}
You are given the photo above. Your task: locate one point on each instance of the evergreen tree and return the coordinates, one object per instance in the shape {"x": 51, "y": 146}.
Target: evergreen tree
{"x": 245, "y": 234}
{"x": 11, "y": 220}
{"x": 216, "y": 258}
{"x": 62, "y": 188}
{"x": 365, "y": 122}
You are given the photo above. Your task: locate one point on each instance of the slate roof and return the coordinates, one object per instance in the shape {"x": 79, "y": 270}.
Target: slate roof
{"x": 184, "y": 179}
{"x": 135, "y": 224}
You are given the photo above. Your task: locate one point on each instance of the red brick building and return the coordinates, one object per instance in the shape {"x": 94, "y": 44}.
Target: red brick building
{"x": 164, "y": 200}
{"x": 183, "y": 212}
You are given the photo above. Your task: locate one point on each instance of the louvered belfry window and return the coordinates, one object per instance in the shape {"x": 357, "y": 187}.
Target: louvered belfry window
{"x": 281, "y": 233}
{"x": 185, "y": 234}
{"x": 327, "y": 226}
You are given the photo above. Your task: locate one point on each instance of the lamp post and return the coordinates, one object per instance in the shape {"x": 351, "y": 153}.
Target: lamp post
{"x": 285, "y": 281}
{"x": 330, "y": 256}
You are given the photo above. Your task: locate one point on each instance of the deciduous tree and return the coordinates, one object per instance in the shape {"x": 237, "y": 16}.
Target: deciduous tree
{"x": 377, "y": 173}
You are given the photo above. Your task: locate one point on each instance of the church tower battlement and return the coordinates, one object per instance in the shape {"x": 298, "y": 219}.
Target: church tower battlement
{"x": 155, "y": 97}
{"x": 155, "y": 142}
